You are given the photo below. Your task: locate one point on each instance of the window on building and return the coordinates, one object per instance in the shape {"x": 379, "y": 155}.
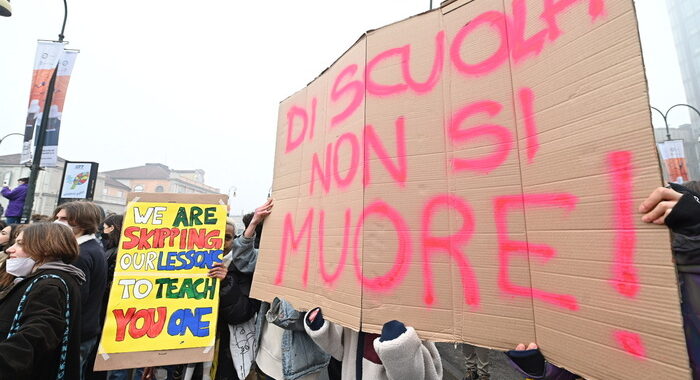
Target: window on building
{"x": 159, "y": 189}
{"x": 119, "y": 194}
{"x": 138, "y": 188}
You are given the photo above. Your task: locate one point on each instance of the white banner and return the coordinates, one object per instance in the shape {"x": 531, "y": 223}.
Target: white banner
{"x": 47, "y": 56}
{"x": 49, "y": 156}
{"x": 673, "y": 155}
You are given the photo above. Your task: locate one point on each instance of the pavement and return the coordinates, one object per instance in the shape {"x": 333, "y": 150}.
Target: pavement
{"x": 454, "y": 364}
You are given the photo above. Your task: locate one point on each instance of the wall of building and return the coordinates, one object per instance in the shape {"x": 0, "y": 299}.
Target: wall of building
{"x": 49, "y": 185}
{"x": 685, "y": 22}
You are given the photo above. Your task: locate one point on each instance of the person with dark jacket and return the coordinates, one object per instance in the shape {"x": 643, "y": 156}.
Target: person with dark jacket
{"x": 40, "y": 312}
{"x": 16, "y": 196}
{"x": 83, "y": 218}
{"x": 111, "y": 233}
{"x": 235, "y": 305}
{"x": 678, "y": 207}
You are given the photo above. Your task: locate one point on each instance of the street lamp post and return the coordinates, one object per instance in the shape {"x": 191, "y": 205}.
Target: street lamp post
{"x": 10, "y": 134}
{"x": 665, "y": 116}
{"x": 41, "y": 134}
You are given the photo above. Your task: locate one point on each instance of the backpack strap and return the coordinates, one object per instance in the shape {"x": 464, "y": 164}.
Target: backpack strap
{"x": 66, "y": 333}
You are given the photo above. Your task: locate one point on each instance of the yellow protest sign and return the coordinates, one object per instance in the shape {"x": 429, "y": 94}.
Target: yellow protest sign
{"x": 161, "y": 297}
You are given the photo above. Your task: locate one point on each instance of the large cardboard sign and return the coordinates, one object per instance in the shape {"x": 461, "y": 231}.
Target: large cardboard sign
{"x": 162, "y": 305}
{"x": 475, "y": 172}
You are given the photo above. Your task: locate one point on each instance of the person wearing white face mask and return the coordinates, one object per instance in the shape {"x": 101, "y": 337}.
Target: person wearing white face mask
{"x": 40, "y": 311}
{"x": 84, "y": 219}
{"x": 6, "y": 279}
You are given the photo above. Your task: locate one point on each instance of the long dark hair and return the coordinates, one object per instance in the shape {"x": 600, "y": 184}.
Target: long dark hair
{"x": 116, "y": 221}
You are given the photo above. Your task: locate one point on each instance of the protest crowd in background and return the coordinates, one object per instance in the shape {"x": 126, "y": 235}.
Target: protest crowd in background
{"x": 55, "y": 276}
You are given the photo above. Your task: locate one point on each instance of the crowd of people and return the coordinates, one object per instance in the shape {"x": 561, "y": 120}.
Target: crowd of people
{"x": 55, "y": 277}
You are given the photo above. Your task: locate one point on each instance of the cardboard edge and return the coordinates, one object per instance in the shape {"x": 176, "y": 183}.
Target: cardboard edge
{"x": 178, "y": 198}
{"x": 126, "y": 360}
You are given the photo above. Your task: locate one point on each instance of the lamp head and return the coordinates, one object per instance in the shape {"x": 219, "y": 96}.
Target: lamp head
{"x": 5, "y": 8}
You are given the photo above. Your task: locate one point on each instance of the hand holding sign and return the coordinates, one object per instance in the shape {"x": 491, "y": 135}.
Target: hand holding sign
{"x": 219, "y": 271}
{"x": 261, "y": 213}
{"x": 659, "y": 204}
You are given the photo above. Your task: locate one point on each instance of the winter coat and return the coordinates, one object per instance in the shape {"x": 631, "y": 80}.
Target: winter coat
{"x": 300, "y": 356}
{"x": 684, "y": 221}
{"x": 235, "y": 307}
{"x": 93, "y": 263}
{"x": 397, "y": 354}
{"x": 33, "y": 352}
{"x": 16, "y": 197}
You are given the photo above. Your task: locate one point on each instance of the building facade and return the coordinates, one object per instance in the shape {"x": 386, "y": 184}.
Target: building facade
{"x": 110, "y": 191}
{"x": 159, "y": 178}
{"x": 685, "y": 22}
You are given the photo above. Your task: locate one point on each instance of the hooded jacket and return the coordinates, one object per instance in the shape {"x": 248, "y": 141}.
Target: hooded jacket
{"x": 33, "y": 351}
{"x": 16, "y": 197}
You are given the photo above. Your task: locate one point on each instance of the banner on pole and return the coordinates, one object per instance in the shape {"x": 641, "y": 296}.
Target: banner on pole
{"x": 49, "y": 156}
{"x": 673, "y": 155}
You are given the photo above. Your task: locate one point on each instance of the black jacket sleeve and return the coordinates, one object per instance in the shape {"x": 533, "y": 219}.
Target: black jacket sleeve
{"x": 234, "y": 305}
{"x": 84, "y": 263}
{"x": 40, "y": 332}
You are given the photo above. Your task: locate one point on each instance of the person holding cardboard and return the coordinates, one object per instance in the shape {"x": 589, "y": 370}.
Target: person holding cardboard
{"x": 40, "y": 311}
{"x": 678, "y": 207}
{"x": 284, "y": 350}
{"x": 398, "y": 353}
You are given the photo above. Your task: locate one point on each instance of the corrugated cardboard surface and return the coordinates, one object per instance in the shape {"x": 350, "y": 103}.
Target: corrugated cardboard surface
{"x": 589, "y": 103}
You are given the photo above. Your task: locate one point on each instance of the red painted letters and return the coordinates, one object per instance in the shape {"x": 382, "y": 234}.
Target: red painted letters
{"x": 331, "y": 278}
{"x": 354, "y": 160}
{"x": 506, "y": 247}
{"x": 497, "y": 20}
{"x": 400, "y": 170}
{"x": 625, "y": 279}
{"x": 294, "y": 142}
{"x": 287, "y": 235}
{"x": 552, "y": 8}
{"x": 450, "y": 244}
{"x": 355, "y": 88}
{"x": 503, "y": 136}
{"x": 527, "y": 100}
{"x": 403, "y": 254}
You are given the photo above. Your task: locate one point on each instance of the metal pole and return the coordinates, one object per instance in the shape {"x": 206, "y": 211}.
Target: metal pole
{"x": 65, "y": 18}
{"x": 41, "y": 134}
{"x": 36, "y": 160}
{"x": 668, "y": 132}
{"x": 10, "y": 134}
{"x": 684, "y": 105}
